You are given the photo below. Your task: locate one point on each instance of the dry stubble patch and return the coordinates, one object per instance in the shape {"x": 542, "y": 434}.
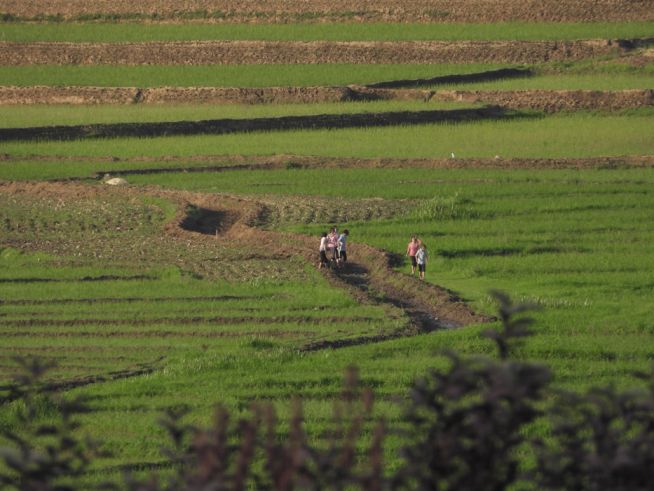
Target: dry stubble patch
{"x": 343, "y": 10}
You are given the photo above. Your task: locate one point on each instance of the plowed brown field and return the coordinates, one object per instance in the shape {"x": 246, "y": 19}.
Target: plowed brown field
{"x": 282, "y": 52}
{"x": 350, "y": 10}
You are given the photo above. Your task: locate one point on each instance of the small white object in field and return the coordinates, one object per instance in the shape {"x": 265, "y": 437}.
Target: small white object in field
{"x": 497, "y": 157}
{"x": 116, "y": 181}
{"x": 452, "y": 155}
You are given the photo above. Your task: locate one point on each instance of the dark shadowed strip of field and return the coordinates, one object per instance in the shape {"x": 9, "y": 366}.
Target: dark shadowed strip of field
{"x": 225, "y": 126}
{"x": 487, "y": 76}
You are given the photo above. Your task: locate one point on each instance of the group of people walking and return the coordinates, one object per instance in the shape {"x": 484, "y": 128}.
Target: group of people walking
{"x": 333, "y": 251}
{"x": 333, "y": 248}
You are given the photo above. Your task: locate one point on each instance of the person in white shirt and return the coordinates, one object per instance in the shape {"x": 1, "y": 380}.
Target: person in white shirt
{"x": 323, "y": 251}
{"x": 341, "y": 244}
{"x": 421, "y": 259}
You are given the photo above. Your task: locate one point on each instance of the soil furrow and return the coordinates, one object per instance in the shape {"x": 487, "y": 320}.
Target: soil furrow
{"x": 283, "y": 319}
{"x": 275, "y": 333}
{"x": 74, "y": 280}
{"x": 312, "y": 52}
{"x": 62, "y": 385}
{"x": 112, "y": 300}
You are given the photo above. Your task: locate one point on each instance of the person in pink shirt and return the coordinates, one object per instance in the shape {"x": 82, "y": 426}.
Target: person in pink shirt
{"x": 411, "y": 250}
{"x": 332, "y": 244}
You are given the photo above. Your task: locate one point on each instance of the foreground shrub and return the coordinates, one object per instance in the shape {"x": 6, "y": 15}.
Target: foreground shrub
{"x": 601, "y": 440}
{"x": 46, "y": 452}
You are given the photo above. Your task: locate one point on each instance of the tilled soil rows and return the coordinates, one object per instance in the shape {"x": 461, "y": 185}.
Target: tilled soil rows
{"x": 315, "y": 52}
{"x": 343, "y": 10}
{"x": 543, "y": 100}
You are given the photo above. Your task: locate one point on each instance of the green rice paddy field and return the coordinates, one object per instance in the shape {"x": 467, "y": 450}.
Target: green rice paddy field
{"x": 134, "y": 32}
{"x": 549, "y": 77}
{"x": 154, "y": 322}
{"x": 520, "y": 135}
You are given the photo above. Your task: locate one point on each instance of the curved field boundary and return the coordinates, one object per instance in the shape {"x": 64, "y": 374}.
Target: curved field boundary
{"x": 284, "y": 52}
{"x": 544, "y": 100}
{"x": 225, "y": 126}
{"x": 336, "y": 10}
{"x": 68, "y": 384}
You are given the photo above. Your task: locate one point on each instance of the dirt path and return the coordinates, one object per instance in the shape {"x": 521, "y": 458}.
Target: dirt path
{"x": 340, "y": 10}
{"x": 315, "y": 52}
{"x": 369, "y": 277}
{"x": 203, "y": 220}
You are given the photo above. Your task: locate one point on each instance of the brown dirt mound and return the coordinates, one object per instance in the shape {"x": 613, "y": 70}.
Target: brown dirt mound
{"x": 545, "y": 100}
{"x": 287, "y": 52}
{"x": 346, "y": 10}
